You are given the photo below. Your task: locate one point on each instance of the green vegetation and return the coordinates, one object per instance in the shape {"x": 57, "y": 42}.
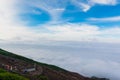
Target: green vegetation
{"x": 4, "y": 75}
{"x": 9, "y": 54}
{"x": 42, "y": 77}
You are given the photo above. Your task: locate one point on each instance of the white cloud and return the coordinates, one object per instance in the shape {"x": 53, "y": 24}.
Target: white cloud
{"x": 36, "y": 12}
{"x": 63, "y": 32}
{"x": 104, "y": 2}
{"x": 86, "y": 5}
{"x": 83, "y": 6}
{"x": 107, "y": 19}
{"x": 112, "y": 31}
{"x": 55, "y": 8}
{"x": 81, "y": 32}
{"x": 5, "y": 8}
{"x": 68, "y": 32}
{"x": 89, "y": 59}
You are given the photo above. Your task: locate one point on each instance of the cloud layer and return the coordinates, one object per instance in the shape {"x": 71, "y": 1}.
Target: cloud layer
{"x": 89, "y": 59}
{"x": 104, "y": 2}
{"x": 108, "y": 19}
{"x": 67, "y": 32}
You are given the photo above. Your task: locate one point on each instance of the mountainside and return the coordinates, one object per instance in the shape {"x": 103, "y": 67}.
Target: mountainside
{"x": 35, "y": 70}
{"x": 4, "y": 75}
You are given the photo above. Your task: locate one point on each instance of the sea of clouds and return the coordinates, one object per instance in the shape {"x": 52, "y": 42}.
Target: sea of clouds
{"x": 86, "y": 58}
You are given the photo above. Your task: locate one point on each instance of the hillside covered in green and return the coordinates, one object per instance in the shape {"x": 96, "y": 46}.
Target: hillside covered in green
{"x": 9, "y": 54}
{"x": 4, "y": 75}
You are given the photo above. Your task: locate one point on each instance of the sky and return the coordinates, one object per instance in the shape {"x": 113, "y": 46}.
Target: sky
{"x": 83, "y": 32}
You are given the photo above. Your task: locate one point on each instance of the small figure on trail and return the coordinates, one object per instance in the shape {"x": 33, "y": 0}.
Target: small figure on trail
{"x": 11, "y": 68}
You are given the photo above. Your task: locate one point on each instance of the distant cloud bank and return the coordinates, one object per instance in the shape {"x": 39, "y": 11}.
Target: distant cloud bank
{"x": 89, "y": 59}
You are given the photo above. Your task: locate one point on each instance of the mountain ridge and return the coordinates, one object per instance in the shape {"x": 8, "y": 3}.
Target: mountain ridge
{"x": 35, "y": 70}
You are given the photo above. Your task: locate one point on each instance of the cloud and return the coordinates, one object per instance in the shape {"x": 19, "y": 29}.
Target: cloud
{"x": 36, "y": 12}
{"x": 81, "y": 5}
{"x": 81, "y": 32}
{"x": 60, "y": 32}
{"x": 104, "y": 2}
{"x": 55, "y": 8}
{"x": 4, "y": 9}
{"x": 87, "y": 4}
{"x": 107, "y": 19}
{"x": 86, "y": 58}
{"x": 85, "y": 7}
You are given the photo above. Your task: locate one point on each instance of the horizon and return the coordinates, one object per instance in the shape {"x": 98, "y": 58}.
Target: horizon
{"x": 80, "y": 32}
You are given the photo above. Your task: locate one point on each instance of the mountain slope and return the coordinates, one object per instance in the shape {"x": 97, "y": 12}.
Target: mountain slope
{"x": 35, "y": 70}
{"x": 4, "y": 75}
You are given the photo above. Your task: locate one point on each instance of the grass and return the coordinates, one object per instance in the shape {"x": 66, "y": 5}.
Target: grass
{"x": 4, "y": 75}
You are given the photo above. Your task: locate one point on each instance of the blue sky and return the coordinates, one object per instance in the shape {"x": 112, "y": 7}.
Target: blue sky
{"x": 69, "y": 11}
{"x": 77, "y": 20}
